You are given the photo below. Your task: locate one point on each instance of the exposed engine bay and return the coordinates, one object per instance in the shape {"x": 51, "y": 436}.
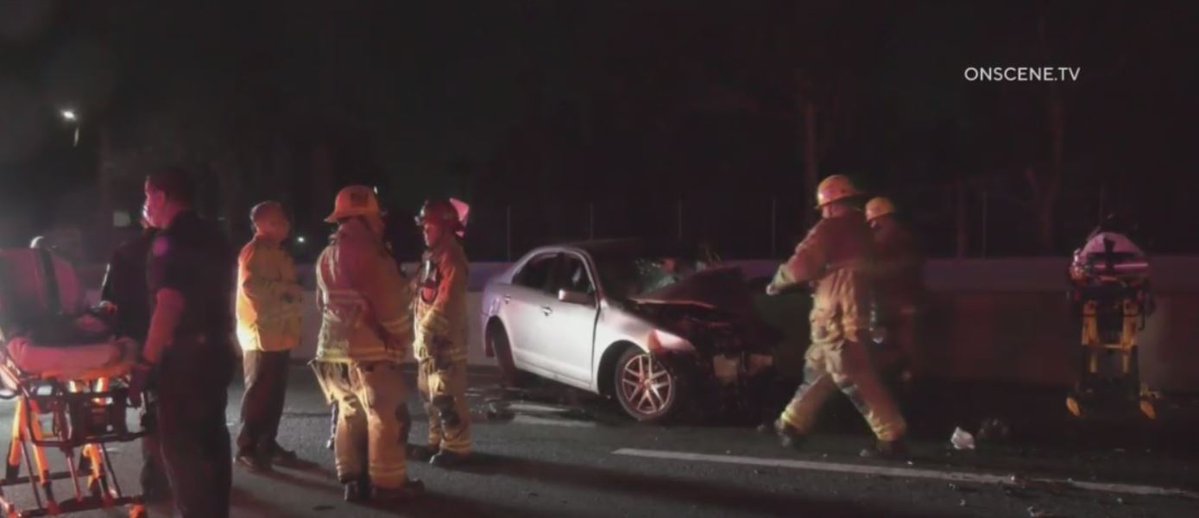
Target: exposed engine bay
{"x": 713, "y": 310}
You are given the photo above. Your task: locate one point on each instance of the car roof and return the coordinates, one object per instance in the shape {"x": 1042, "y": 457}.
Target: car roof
{"x": 630, "y": 246}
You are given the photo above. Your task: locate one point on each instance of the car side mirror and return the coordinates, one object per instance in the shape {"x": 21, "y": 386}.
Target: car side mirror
{"x": 575, "y": 297}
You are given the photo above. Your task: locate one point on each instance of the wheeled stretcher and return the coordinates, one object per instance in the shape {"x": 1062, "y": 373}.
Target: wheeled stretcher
{"x": 67, "y": 376}
{"x": 1112, "y": 298}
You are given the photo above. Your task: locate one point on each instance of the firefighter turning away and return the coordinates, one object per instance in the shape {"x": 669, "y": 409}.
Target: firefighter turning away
{"x": 898, "y": 286}
{"x": 833, "y": 258}
{"x": 441, "y": 334}
{"x": 366, "y": 332}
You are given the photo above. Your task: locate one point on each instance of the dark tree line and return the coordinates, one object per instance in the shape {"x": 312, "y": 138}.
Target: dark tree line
{"x": 561, "y": 120}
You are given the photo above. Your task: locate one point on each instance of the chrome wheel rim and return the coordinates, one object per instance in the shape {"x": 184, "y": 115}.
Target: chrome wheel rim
{"x": 645, "y": 385}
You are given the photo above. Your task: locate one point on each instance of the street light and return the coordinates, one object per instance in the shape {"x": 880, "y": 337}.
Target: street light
{"x": 70, "y": 116}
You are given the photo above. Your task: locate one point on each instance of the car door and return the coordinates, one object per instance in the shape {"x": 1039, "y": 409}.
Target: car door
{"x": 568, "y": 344}
{"x": 526, "y": 307}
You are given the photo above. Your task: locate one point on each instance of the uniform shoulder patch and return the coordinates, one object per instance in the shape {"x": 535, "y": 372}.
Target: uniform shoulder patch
{"x": 161, "y": 246}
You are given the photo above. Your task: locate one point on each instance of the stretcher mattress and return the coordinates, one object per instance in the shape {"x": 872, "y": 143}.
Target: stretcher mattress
{"x": 76, "y": 362}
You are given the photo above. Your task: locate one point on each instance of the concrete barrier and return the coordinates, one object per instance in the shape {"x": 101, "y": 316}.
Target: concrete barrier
{"x": 993, "y": 320}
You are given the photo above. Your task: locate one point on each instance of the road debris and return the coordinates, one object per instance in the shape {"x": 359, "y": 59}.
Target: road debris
{"x": 961, "y": 439}
{"x": 1035, "y": 512}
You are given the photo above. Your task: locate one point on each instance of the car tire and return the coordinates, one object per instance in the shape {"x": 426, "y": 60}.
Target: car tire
{"x": 637, "y": 372}
{"x": 510, "y": 376}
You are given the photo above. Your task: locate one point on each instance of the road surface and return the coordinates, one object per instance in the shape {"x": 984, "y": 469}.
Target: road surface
{"x": 551, "y": 451}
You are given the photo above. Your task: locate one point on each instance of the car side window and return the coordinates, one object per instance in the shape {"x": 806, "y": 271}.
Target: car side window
{"x": 537, "y": 274}
{"x": 574, "y": 276}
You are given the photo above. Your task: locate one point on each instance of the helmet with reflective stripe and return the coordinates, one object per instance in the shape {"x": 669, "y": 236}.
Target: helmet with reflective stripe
{"x": 879, "y": 207}
{"x": 353, "y": 201}
{"x": 439, "y": 212}
{"x": 835, "y": 188}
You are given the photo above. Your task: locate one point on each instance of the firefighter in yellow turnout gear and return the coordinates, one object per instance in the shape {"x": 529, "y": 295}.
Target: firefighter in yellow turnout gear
{"x": 834, "y": 258}
{"x": 898, "y": 290}
{"x": 440, "y": 311}
{"x": 366, "y": 332}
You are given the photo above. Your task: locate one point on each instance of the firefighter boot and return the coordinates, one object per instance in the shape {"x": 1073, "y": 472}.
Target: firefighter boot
{"x": 358, "y": 490}
{"x": 789, "y": 437}
{"x": 887, "y": 450}
{"x": 411, "y": 489}
{"x": 422, "y": 453}
{"x": 449, "y": 459}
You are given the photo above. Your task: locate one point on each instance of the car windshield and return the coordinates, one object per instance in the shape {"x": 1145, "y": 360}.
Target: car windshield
{"x": 625, "y": 274}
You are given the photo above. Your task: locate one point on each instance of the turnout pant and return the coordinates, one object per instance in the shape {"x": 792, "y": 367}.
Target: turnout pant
{"x": 372, "y": 421}
{"x": 262, "y": 403}
{"x": 444, "y": 394}
{"x": 192, "y": 394}
{"x": 844, "y": 366}
{"x": 898, "y": 350}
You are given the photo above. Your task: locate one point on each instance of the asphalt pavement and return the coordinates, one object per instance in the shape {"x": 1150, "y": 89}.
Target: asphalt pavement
{"x": 553, "y": 451}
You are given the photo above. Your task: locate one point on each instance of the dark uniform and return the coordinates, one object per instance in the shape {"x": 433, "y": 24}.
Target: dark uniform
{"x": 125, "y": 286}
{"x": 898, "y": 290}
{"x": 193, "y": 257}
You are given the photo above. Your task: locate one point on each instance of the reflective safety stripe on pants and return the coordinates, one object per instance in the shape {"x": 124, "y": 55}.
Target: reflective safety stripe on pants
{"x": 370, "y": 400}
{"x": 444, "y": 394}
{"x": 844, "y": 366}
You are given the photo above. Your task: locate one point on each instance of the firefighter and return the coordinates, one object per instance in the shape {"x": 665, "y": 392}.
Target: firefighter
{"x": 833, "y": 258}
{"x": 123, "y": 295}
{"x": 268, "y": 328}
{"x": 898, "y": 285}
{"x": 188, "y": 345}
{"x": 366, "y": 331}
{"x": 441, "y": 335}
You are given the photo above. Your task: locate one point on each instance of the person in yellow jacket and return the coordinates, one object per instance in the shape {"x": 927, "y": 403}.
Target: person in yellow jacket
{"x": 366, "y": 332}
{"x": 441, "y": 335}
{"x": 834, "y": 258}
{"x": 268, "y": 328}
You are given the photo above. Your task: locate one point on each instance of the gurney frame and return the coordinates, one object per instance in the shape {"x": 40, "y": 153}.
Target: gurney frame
{"x": 85, "y": 414}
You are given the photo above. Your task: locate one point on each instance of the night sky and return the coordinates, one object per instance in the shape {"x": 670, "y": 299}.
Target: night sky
{"x": 561, "y": 110}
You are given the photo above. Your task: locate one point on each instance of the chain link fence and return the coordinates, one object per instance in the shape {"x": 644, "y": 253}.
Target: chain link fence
{"x": 968, "y": 220}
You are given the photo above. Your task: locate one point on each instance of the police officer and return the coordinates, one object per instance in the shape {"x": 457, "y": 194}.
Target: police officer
{"x": 441, "y": 334}
{"x": 124, "y": 294}
{"x": 898, "y": 286}
{"x": 366, "y": 331}
{"x": 834, "y": 257}
{"x": 189, "y": 344}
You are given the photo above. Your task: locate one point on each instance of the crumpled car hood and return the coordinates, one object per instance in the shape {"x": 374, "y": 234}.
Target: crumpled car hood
{"x": 722, "y": 288}
{"x": 714, "y": 295}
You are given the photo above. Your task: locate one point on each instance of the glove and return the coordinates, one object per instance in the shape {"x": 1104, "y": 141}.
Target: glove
{"x": 139, "y": 378}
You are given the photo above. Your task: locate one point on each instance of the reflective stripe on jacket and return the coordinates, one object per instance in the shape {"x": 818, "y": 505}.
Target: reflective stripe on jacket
{"x": 835, "y": 257}
{"x": 364, "y": 301}
{"x": 441, "y": 303}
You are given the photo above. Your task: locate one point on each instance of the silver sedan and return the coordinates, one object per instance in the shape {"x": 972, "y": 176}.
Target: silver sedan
{"x": 651, "y": 329}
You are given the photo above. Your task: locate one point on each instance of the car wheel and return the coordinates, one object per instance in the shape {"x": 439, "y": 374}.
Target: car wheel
{"x": 509, "y": 375}
{"x": 646, "y": 388}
